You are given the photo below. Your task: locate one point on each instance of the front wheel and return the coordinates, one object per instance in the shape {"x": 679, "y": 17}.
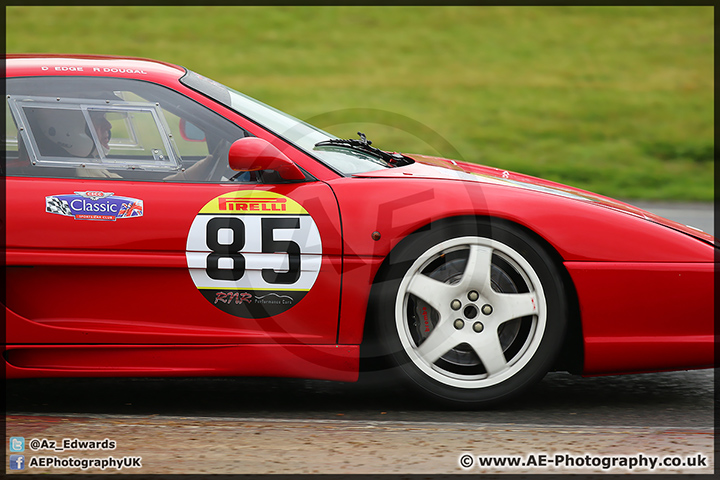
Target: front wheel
{"x": 472, "y": 312}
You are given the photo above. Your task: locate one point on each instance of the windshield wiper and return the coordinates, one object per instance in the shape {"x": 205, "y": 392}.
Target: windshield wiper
{"x": 364, "y": 145}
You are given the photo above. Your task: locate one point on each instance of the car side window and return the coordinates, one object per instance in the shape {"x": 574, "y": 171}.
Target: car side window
{"x": 122, "y": 129}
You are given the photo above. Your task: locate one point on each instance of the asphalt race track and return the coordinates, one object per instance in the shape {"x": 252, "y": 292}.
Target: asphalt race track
{"x": 698, "y": 215}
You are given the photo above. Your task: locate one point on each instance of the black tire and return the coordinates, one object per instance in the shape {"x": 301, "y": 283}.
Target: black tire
{"x": 470, "y": 336}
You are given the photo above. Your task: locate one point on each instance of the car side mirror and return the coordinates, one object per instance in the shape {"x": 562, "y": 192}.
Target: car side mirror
{"x": 253, "y": 153}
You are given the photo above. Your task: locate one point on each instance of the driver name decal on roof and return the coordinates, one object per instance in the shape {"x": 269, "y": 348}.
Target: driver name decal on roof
{"x": 94, "y": 205}
{"x": 253, "y": 254}
{"x": 75, "y": 69}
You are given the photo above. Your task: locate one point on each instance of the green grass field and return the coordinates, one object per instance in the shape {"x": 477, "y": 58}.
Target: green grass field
{"x": 617, "y": 100}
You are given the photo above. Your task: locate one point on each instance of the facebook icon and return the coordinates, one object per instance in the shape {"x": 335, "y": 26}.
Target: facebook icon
{"x": 17, "y": 462}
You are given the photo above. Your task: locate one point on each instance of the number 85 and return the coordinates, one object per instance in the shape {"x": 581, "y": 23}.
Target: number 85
{"x": 269, "y": 245}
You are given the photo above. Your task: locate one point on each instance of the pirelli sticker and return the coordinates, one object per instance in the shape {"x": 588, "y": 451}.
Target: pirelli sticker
{"x": 253, "y": 254}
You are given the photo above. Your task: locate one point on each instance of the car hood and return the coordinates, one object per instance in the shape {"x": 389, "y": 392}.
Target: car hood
{"x": 428, "y": 167}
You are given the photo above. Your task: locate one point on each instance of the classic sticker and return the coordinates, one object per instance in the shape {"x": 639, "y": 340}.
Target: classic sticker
{"x": 94, "y": 205}
{"x": 253, "y": 254}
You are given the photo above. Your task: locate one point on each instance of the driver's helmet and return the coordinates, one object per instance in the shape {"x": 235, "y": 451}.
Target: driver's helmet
{"x": 66, "y": 129}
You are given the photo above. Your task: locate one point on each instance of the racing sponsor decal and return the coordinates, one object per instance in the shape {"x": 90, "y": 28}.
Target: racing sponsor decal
{"x": 94, "y": 205}
{"x": 253, "y": 254}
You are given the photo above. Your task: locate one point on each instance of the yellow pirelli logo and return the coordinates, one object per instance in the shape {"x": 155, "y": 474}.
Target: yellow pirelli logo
{"x": 254, "y": 205}
{"x": 249, "y": 201}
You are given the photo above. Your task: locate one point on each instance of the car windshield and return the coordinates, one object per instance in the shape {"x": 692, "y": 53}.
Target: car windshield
{"x": 344, "y": 160}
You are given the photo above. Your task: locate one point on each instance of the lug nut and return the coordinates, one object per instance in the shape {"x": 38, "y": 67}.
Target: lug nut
{"x": 455, "y": 304}
{"x": 459, "y": 324}
{"x": 487, "y": 309}
{"x": 473, "y": 295}
{"x": 478, "y": 327}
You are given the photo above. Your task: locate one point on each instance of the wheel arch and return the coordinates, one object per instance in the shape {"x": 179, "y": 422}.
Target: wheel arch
{"x": 571, "y": 355}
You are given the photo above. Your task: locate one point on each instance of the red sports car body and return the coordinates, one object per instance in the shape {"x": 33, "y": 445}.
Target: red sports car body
{"x": 200, "y": 232}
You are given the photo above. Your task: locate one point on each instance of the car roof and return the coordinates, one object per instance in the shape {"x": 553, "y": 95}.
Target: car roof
{"x": 23, "y": 65}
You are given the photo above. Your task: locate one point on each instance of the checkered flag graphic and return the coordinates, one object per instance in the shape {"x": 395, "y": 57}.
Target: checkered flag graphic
{"x": 56, "y": 205}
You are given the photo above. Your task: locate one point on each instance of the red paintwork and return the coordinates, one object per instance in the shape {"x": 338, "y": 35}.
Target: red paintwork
{"x": 491, "y": 173}
{"x": 305, "y": 361}
{"x": 146, "y": 260}
{"x": 115, "y": 298}
{"x": 598, "y": 234}
{"x": 645, "y": 316}
{"x": 253, "y": 153}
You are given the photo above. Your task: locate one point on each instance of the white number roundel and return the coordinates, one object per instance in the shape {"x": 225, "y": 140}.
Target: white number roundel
{"x": 253, "y": 254}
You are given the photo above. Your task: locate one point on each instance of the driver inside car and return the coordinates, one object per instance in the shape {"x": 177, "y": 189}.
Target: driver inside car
{"x": 103, "y": 130}
{"x": 66, "y": 133}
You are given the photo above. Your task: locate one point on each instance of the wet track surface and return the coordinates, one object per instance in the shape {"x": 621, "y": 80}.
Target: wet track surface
{"x": 252, "y": 425}
{"x": 672, "y": 399}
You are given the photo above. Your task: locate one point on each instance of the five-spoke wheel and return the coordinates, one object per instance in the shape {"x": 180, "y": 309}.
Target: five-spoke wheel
{"x": 478, "y": 313}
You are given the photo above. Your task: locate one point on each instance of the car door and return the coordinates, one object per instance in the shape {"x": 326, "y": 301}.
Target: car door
{"x": 119, "y": 240}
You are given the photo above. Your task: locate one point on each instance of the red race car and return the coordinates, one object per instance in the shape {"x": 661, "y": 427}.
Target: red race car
{"x": 159, "y": 223}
